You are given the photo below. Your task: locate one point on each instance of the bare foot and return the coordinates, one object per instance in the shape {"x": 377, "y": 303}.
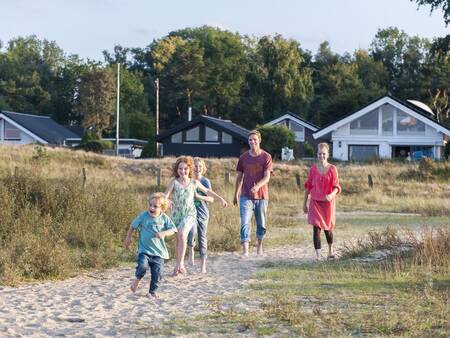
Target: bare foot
{"x": 135, "y": 285}
{"x": 153, "y": 295}
{"x": 203, "y": 270}
{"x": 191, "y": 261}
{"x": 182, "y": 270}
{"x": 244, "y": 255}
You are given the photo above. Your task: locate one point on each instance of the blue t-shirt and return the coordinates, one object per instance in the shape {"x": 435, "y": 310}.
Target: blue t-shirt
{"x": 200, "y": 205}
{"x": 149, "y": 226}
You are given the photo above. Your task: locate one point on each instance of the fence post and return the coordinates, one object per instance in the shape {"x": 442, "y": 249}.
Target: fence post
{"x": 298, "y": 181}
{"x": 370, "y": 181}
{"x": 158, "y": 178}
{"x": 16, "y": 170}
{"x": 227, "y": 177}
{"x": 84, "y": 177}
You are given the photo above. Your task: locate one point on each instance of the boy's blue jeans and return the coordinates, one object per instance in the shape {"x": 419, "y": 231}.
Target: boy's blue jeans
{"x": 247, "y": 208}
{"x": 155, "y": 264}
{"x": 201, "y": 229}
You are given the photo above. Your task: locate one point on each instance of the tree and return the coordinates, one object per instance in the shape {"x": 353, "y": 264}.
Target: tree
{"x": 96, "y": 99}
{"x": 436, "y": 4}
{"x": 343, "y": 83}
{"x": 276, "y": 137}
{"x": 403, "y": 57}
{"x": 285, "y": 83}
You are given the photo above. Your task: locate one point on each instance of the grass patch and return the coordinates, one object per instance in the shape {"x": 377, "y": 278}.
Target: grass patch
{"x": 402, "y": 294}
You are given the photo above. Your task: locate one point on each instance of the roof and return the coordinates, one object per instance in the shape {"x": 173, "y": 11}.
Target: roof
{"x": 425, "y": 115}
{"x": 226, "y": 125}
{"x": 41, "y": 126}
{"x": 132, "y": 141}
{"x": 296, "y": 118}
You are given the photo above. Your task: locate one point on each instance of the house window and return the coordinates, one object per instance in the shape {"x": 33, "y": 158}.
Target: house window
{"x": 387, "y": 120}
{"x": 176, "y": 138}
{"x": 193, "y": 134}
{"x": 366, "y": 124}
{"x": 362, "y": 152}
{"x": 11, "y": 132}
{"x": 211, "y": 135}
{"x": 409, "y": 125}
{"x": 226, "y": 138}
{"x": 299, "y": 131}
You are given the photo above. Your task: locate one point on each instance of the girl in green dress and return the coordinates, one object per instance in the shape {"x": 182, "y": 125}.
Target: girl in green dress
{"x": 183, "y": 189}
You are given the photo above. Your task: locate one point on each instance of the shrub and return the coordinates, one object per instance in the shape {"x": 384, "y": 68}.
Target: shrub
{"x": 447, "y": 151}
{"x": 276, "y": 137}
{"x": 309, "y": 151}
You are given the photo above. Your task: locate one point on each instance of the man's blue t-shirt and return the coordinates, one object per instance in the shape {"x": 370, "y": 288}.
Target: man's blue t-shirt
{"x": 202, "y": 206}
{"x": 149, "y": 226}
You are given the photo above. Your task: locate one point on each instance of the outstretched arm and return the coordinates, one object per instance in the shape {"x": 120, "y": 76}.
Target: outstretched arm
{"x": 127, "y": 241}
{"x": 210, "y": 193}
{"x": 208, "y": 199}
{"x": 169, "y": 188}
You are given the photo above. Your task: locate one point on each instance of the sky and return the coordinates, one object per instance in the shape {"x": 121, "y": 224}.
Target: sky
{"x": 87, "y": 27}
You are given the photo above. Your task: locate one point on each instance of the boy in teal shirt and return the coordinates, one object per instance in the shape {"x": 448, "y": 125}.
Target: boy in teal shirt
{"x": 154, "y": 226}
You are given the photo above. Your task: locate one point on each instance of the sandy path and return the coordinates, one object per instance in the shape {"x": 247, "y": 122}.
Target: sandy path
{"x": 100, "y": 304}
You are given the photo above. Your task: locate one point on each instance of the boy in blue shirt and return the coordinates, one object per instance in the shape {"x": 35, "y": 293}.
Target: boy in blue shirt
{"x": 154, "y": 226}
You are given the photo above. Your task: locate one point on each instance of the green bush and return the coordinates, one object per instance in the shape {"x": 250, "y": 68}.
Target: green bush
{"x": 51, "y": 228}
{"x": 309, "y": 151}
{"x": 447, "y": 151}
{"x": 90, "y": 142}
{"x": 274, "y": 138}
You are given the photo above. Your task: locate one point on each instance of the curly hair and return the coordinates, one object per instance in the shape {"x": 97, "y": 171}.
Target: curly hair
{"x": 200, "y": 160}
{"x": 183, "y": 159}
{"x": 161, "y": 197}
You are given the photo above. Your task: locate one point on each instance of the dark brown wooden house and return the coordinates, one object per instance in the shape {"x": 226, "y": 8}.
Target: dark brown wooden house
{"x": 204, "y": 136}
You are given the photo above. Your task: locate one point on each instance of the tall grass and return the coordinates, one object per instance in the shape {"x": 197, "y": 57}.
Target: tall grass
{"x": 54, "y": 224}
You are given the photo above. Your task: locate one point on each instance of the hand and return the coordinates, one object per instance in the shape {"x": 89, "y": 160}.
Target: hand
{"x": 224, "y": 203}
{"x": 160, "y": 235}
{"x": 305, "y": 208}
{"x": 235, "y": 200}
{"x": 330, "y": 197}
{"x": 254, "y": 189}
{"x": 127, "y": 243}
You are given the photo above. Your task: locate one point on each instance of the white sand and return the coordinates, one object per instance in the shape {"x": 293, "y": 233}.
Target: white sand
{"x": 101, "y": 304}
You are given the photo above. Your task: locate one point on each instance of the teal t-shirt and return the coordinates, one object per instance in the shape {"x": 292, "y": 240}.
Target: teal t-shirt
{"x": 149, "y": 226}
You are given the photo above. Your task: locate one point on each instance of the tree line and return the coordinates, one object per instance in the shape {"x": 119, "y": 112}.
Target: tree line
{"x": 222, "y": 74}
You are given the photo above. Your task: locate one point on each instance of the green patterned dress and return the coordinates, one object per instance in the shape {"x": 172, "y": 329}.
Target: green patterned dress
{"x": 184, "y": 214}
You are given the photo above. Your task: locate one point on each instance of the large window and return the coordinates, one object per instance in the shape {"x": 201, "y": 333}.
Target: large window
{"x": 211, "y": 135}
{"x": 226, "y": 138}
{"x": 362, "y": 152}
{"x": 366, "y": 124}
{"x": 299, "y": 131}
{"x": 176, "y": 138}
{"x": 11, "y": 132}
{"x": 387, "y": 120}
{"x": 193, "y": 134}
{"x": 409, "y": 125}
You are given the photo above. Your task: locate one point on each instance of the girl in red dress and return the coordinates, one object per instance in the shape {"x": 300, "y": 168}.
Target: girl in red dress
{"x": 323, "y": 186}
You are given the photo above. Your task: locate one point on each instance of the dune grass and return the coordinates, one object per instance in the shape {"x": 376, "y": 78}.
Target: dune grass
{"x": 66, "y": 211}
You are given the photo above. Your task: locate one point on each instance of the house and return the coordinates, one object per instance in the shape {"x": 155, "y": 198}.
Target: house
{"x": 386, "y": 128}
{"x": 128, "y": 147}
{"x": 204, "y": 136}
{"x": 302, "y": 129}
{"x": 18, "y": 128}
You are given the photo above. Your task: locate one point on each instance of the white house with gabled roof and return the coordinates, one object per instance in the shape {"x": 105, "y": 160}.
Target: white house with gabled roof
{"x": 386, "y": 128}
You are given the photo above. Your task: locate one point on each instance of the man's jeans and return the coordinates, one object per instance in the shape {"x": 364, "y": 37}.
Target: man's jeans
{"x": 201, "y": 229}
{"x": 247, "y": 207}
{"x": 155, "y": 264}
